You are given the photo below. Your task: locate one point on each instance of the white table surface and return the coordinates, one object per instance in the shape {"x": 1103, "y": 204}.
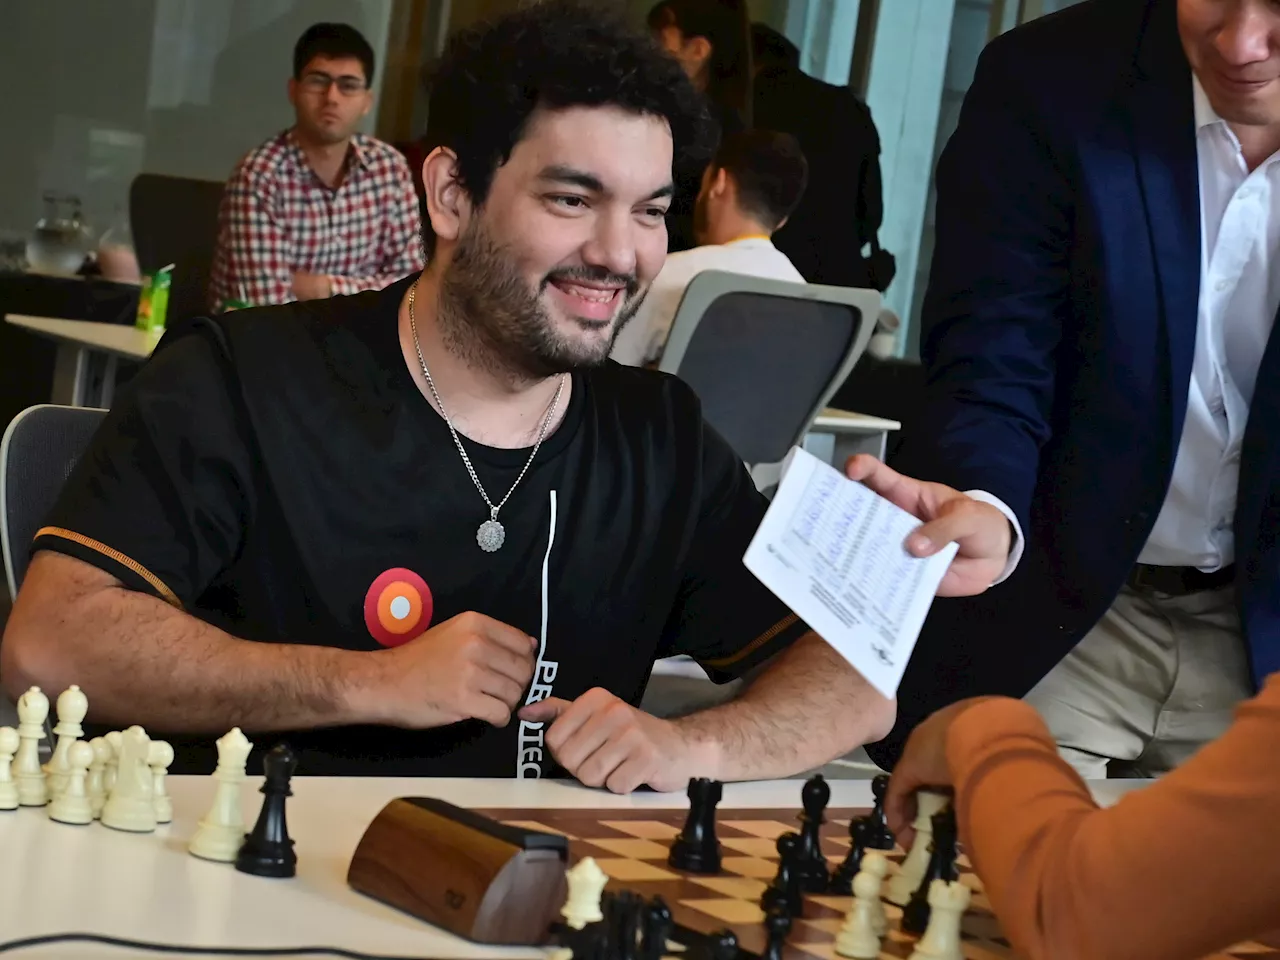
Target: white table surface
{"x": 111, "y": 338}
{"x": 832, "y": 420}
{"x": 58, "y": 878}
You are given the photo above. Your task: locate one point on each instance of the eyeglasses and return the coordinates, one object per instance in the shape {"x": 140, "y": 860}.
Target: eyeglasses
{"x": 320, "y": 83}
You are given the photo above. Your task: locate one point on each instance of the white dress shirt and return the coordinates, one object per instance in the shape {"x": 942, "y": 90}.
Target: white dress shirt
{"x": 643, "y": 339}
{"x": 1239, "y": 296}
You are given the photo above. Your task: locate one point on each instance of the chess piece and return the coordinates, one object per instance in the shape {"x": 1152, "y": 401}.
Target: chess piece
{"x": 158, "y": 759}
{"x": 842, "y": 877}
{"x": 784, "y": 892}
{"x": 907, "y": 880}
{"x": 625, "y": 926}
{"x": 658, "y": 924}
{"x": 586, "y": 885}
{"x": 113, "y": 758}
{"x": 724, "y": 945}
{"x": 948, "y": 901}
{"x": 33, "y": 710}
{"x": 267, "y": 850}
{"x": 96, "y": 787}
{"x": 878, "y": 835}
{"x": 877, "y": 865}
{"x": 812, "y": 871}
{"x": 859, "y": 938}
{"x": 697, "y": 850}
{"x": 778, "y": 923}
{"x": 131, "y": 804}
{"x": 73, "y": 705}
{"x": 221, "y": 832}
{"x": 943, "y": 850}
{"x": 9, "y": 742}
{"x": 72, "y": 805}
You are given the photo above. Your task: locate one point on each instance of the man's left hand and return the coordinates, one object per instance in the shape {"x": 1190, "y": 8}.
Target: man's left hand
{"x": 606, "y": 742}
{"x": 311, "y": 286}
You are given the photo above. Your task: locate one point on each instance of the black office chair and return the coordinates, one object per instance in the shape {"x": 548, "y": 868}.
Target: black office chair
{"x": 37, "y": 453}
{"x": 765, "y": 356}
{"x": 175, "y": 220}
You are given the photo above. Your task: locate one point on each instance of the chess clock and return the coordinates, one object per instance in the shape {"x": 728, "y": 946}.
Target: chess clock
{"x": 477, "y": 878}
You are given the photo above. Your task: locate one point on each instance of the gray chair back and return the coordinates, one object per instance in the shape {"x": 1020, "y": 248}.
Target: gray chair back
{"x": 37, "y": 453}
{"x": 765, "y": 356}
{"x": 175, "y": 220}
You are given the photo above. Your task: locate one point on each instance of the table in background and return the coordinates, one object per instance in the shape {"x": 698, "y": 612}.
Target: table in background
{"x": 84, "y": 371}
{"x": 837, "y": 435}
{"x": 92, "y": 879}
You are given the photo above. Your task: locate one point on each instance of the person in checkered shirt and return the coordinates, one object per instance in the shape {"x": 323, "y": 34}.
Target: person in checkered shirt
{"x": 318, "y": 210}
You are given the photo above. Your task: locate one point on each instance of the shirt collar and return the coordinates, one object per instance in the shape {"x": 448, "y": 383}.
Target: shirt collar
{"x": 1205, "y": 115}
{"x": 357, "y": 153}
{"x": 751, "y": 240}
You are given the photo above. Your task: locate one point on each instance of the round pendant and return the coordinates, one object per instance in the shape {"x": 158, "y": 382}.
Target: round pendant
{"x": 490, "y": 536}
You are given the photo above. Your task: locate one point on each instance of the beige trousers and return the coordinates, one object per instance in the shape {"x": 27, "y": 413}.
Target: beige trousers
{"x": 1154, "y": 681}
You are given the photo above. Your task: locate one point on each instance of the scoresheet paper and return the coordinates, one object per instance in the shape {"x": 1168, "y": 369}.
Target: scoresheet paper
{"x": 833, "y": 551}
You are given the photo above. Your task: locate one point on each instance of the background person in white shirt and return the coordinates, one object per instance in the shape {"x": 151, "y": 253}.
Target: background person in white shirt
{"x": 1099, "y": 340}
{"x": 756, "y": 179}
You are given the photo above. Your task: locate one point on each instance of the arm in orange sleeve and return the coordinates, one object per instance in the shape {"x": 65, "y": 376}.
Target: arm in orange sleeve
{"x": 1174, "y": 871}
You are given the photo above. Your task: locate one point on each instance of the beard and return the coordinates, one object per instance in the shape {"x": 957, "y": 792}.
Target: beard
{"x": 492, "y": 319}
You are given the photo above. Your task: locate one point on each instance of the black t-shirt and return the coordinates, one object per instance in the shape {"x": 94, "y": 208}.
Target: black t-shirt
{"x": 277, "y": 473}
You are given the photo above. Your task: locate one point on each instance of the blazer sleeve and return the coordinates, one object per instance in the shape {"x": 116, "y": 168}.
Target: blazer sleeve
{"x": 997, "y": 294}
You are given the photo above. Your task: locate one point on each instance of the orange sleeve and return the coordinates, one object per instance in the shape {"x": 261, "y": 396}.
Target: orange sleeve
{"x": 1174, "y": 871}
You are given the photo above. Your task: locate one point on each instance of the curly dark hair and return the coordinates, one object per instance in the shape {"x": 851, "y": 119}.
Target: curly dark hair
{"x": 555, "y": 54}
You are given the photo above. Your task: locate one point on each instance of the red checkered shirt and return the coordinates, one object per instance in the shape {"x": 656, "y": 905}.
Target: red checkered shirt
{"x": 278, "y": 218}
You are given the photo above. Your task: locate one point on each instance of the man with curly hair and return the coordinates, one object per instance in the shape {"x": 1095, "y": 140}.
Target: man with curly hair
{"x": 432, "y": 530}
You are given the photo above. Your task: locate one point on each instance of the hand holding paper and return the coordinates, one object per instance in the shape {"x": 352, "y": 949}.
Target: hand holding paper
{"x": 834, "y": 551}
{"x": 979, "y": 530}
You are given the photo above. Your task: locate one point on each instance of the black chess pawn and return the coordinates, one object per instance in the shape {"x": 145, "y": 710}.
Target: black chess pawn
{"x": 784, "y": 892}
{"x": 724, "y": 945}
{"x": 878, "y": 835}
{"x": 811, "y": 865}
{"x": 778, "y": 923}
{"x": 943, "y": 851}
{"x": 697, "y": 850}
{"x": 657, "y": 928}
{"x": 267, "y": 851}
{"x": 842, "y": 878}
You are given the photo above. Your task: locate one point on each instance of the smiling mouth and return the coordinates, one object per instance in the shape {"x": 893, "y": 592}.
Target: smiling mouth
{"x": 592, "y": 304}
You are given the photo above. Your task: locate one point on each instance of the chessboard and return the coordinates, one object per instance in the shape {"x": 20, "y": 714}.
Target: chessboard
{"x": 631, "y": 847}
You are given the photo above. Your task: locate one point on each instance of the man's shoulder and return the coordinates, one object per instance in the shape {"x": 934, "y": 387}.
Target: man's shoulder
{"x": 637, "y": 395}
{"x": 264, "y": 349}
{"x": 1102, "y": 33}
{"x": 264, "y": 162}
{"x": 381, "y": 155}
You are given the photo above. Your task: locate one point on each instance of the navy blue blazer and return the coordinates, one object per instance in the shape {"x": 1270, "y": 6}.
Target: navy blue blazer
{"x": 1058, "y": 333}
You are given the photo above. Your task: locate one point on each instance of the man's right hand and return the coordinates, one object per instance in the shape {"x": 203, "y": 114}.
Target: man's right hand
{"x": 982, "y": 532}
{"x": 471, "y": 666}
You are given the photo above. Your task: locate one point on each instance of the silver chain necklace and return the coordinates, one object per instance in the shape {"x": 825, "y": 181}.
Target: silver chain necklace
{"x": 491, "y": 534}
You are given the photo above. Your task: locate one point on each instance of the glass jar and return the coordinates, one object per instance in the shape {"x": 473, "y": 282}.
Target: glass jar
{"x": 61, "y": 239}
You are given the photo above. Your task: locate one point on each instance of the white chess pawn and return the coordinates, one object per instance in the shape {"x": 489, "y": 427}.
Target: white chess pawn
{"x": 158, "y": 759}
{"x": 109, "y": 774}
{"x": 941, "y": 940}
{"x": 130, "y": 805}
{"x": 96, "y": 787}
{"x": 33, "y": 711}
{"x": 72, "y": 804}
{"x": 586, "y": 886}
{"x": 73, "y": 705}
{"x": 8, "y": 789}
{"x": 221, "y": 832}
{"x": 909, "y": 876}
{"x": 858, "y": 938}
{"x": 877, "y": 865}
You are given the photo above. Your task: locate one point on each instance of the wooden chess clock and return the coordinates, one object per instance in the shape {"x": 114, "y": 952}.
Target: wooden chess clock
{"x": 471, "y": 875}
